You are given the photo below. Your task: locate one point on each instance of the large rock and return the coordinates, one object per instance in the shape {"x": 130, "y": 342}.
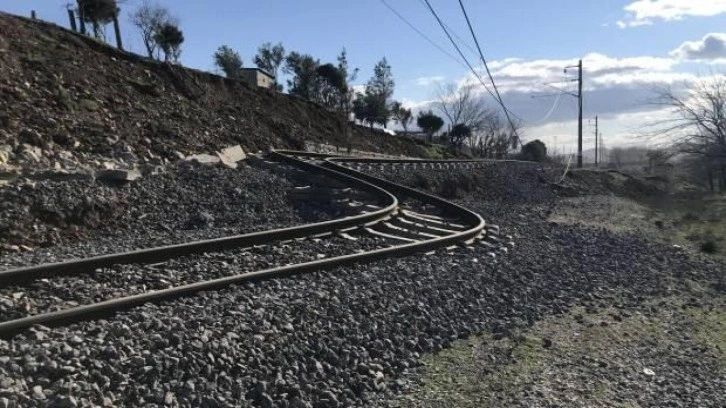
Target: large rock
{"x": 207, "y": 159}
{"x": 118, "y": 175}
{"x": 231, "y": 155}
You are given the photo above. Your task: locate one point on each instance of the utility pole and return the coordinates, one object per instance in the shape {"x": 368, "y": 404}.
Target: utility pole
{"x": 596, "y": 133}
{"x": 579, "y": 118}
{"x": 579, "y": 106}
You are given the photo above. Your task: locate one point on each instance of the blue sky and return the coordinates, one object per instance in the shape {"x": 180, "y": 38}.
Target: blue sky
{"x": 628, "y": 46}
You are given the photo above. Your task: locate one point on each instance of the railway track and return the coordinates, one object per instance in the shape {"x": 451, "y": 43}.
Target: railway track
{"x": 383, "y": 220}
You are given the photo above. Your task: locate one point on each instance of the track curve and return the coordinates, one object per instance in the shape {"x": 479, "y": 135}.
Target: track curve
{"x": 437, "y": 235}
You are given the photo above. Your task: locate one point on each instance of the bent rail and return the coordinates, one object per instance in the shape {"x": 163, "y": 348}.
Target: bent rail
{"x": 474, "y": 228}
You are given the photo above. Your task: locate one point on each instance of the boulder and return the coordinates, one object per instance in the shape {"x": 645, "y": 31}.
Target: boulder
{"x": 231, "y": 155}
{"x": 207, "y": 159}
{"x": 118, "y": 175}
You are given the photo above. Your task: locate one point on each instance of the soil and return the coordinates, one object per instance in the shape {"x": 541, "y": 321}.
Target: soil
{"x": 63, "y": 91}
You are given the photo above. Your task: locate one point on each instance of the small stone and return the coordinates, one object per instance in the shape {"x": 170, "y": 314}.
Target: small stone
{"x": 648, "y": 372}
{"x": 38, "y": 392}
{"x": 31, "y": 137}
{"x": 67, "y": 402}
{"x": 200, "y": 219}
{"x": 118, "y": 175}
{"x": 266, "y": 401}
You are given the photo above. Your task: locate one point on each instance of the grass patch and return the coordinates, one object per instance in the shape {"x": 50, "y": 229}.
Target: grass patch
{"x": 144, "y": 87}
{"x": 89, "y": 105}
{"x": 432, "y": 151}
{"x": 710, "y": 330}
{"x": 698, "y": 224}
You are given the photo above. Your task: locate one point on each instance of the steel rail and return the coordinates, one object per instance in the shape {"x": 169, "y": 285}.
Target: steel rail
{"x": 476, "y": 227}
{"x": 162, "y": 253}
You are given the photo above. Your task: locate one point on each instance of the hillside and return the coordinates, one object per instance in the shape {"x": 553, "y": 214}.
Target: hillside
{"x": 60, "y": 91}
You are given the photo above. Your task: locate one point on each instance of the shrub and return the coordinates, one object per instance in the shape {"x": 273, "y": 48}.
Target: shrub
{"x": 709, "y": 246}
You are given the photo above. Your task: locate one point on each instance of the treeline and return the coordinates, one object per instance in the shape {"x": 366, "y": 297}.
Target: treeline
{"x": 159, "y": 30}
{"x": 328, "y": 83}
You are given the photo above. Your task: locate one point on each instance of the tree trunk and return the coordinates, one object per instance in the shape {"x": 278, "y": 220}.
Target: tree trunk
{"x": 710, "y": 180}
{"x": 117, "y": 30}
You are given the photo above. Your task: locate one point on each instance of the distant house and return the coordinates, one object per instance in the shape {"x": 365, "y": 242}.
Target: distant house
{"x": 258, "y": 77}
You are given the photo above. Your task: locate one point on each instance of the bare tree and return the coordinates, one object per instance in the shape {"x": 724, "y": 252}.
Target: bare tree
{"x": 149, "y": 18}
{"x": 698, "y": 123}
{"x": 460, "y": 105}
{"x": 495, "y": 139}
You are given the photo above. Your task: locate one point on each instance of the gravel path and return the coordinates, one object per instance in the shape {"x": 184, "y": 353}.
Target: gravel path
{"x": 346, "y": 337}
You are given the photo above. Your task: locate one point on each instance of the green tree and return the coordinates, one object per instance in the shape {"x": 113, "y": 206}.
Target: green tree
{"x": 349, "y": 76}
{"x": 304, "y": 82}
{"x": 534, "y": 151}
{"x": 270, "y": 58}
{"x": 170, "y": 38}
{"x": 98, "y": 13}
{"x": 459, "y": 133}
{"x": 332, "y": 85}
{"x": 403, "y": 116}
{"x": 429, "y": 123}
{"x": 229, "y": 61}
{"x": 379, "y": 90}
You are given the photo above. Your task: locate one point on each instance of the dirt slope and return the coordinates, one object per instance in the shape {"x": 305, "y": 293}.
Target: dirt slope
{"x": 60, "y": 90}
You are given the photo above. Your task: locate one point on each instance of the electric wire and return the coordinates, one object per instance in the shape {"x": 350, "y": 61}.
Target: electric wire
{"x": 419, "y": 32}
{"x": 486, "y": 66}
{"x": 476, "y": 74}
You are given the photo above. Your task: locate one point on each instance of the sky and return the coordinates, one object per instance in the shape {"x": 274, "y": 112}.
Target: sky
{"x": 629, "y": 47}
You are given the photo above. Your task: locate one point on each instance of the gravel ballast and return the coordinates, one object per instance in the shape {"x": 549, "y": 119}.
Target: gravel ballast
{"x": 56, "y": 293}
{"x": 345, "y": 337}
{"x": 60, "y": 220}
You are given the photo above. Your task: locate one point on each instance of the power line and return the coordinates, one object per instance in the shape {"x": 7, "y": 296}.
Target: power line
{"x": 458, "y": 37}
{"x": 486, "y": 66}
{"x": 425, "y": 37}
{"x": 461, "y": 54}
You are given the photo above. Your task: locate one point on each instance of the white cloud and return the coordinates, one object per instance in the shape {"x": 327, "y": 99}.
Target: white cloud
{"x": 416, "y": 105}
{"x": 428, "y": 81}
{"x": 516, "y": 75}
{"x": 646, "y": 12}
{"x": 711, "y": 47}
